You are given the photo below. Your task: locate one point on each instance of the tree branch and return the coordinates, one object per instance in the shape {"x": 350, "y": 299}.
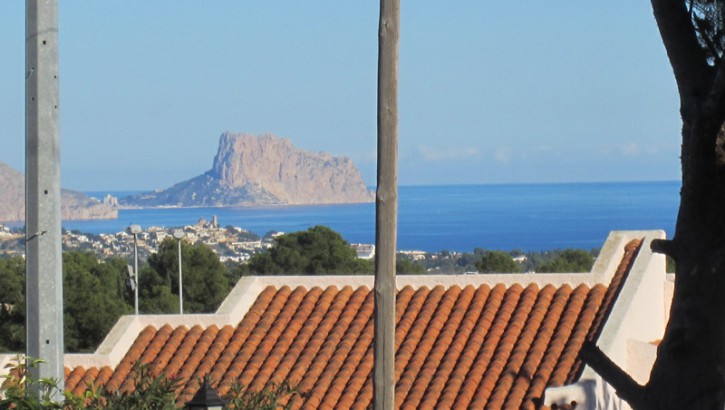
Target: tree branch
{"x": 665, "y": 247}
{"x": 687, "y": 58}
{"x": 714, "y": 106}
{"x": 627, "y": 389}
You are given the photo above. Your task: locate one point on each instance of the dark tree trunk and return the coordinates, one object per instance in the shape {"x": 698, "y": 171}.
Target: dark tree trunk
{"x": 690, "y": 368}
{"x": 689, "y": 372}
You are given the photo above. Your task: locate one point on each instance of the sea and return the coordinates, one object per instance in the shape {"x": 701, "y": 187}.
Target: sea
{"x": 460, "y": 218}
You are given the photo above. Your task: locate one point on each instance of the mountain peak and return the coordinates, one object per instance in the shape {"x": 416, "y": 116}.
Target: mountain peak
{"x": 264, "y": 170}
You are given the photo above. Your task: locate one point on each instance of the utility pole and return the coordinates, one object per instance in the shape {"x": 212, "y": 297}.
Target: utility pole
{"x": 44, "y": 261}
{"x": 386, "y": 206}
{"x": 179, "y": 235}
{"x": 135, "y": 230}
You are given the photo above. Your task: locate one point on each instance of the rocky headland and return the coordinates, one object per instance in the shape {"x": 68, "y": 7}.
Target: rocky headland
{"x": 263, "y": 170}
{"x": 74, "y": 204}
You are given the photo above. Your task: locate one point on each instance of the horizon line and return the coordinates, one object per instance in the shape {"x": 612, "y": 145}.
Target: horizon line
{"x": 372, "y": 187}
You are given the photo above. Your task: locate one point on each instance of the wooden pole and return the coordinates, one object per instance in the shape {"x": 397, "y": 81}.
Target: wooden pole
{"x": 44, "y": 262}
{"x": 386, "y": 206}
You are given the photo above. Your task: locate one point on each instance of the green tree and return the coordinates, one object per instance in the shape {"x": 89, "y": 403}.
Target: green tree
{"x": 497, "y": 262}
{"x": 405, "y": 266}
{"x": 93, "y": 297}
{"x": 447, "y": 262}
{"x": 316, "y": 251}
{"x": 12, "y": 304}
{"x": 154, "y": 292}
{"x": 569, "y": 261}
{"x": 206, "y": 281}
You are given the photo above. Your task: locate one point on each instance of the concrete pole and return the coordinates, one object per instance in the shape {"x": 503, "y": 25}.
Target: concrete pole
{"x": 386, "y": 206}
{"x": 135, "y": 272}
{"x": 44, "y": 261}
{"x": 181, "y": 283}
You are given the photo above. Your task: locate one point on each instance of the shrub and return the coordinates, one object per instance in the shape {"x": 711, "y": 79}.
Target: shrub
{"x": 150, "y": 393}
{"x": 270, "y": 398}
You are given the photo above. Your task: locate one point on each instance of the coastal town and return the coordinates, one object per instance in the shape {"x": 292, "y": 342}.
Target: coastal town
{"x": 232, "y": 244}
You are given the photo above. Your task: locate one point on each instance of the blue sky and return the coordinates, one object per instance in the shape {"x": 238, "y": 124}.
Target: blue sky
{"x": 490, "y": 92}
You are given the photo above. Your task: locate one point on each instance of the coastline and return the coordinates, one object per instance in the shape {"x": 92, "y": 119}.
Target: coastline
{"x": 459, "y": 217}
{"x": 453, "y": 217}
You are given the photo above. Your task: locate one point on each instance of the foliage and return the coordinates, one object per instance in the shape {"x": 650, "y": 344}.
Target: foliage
{"x": 406, "y": 266}
{"x": 155, "y": 292}
{"x": 206, "y": 281}
{"x": 570, "y": 260}
{"x": 708, "y": 18}
{"x": 316, "y": 251}
{"x": 269, "y": 398}
{"x": 447, "y": 262}
{"x": 94, "y": 297}
{"x": 150, "y": 393}
{"x": 12, "y": 304}
{"x": 18, "y": 389}
{"x": 497, "y": 262}
{"x": 670, "y": 265}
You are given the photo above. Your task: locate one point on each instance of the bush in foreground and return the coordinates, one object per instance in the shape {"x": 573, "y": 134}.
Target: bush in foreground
{"x": 150, "y": 393}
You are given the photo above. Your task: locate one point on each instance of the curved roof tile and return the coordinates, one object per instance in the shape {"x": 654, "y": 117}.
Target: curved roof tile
{"x": 456, "y": 347}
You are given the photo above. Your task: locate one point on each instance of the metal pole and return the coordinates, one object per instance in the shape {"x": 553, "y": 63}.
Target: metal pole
{"x": 135, "y": 273}
{"x": 181, "y": 286}
{"x": 44, "y": 259}
{"x": 386, "y": 210}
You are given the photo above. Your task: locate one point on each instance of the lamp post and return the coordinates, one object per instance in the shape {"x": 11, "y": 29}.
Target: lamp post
{"x": 135, "y": 230}
{"x": 179, "y": 234}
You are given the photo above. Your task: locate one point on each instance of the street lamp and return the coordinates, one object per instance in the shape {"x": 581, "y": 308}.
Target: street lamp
{"x": 179, "y": 234}
{"x": 135, "y": 230}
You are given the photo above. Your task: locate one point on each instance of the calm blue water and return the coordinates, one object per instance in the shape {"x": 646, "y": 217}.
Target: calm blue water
{"x": 455, "y": 217}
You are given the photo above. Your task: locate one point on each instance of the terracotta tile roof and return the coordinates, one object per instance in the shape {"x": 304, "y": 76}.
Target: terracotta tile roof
{"x": 457, "y": 347}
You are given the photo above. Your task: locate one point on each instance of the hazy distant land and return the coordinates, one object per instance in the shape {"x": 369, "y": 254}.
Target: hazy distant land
{"x": 74, "y": 205}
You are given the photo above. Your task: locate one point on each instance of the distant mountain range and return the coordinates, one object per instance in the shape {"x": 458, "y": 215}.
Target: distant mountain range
{"x": 74, "y": 204}
{"x": 263, "y": 170}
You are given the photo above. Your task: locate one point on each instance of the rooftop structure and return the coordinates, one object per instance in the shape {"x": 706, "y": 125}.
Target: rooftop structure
{"x": 462, "y": 341}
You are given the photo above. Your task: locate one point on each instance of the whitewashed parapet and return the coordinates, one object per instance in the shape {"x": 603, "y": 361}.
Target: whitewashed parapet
{"x": 636, "y": 319}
